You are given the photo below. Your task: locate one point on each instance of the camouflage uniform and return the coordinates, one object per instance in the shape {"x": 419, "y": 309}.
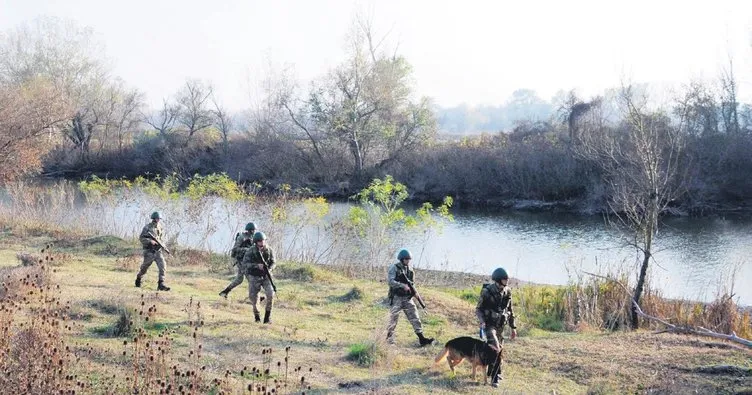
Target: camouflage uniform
{"x": 243, "y": 242}
{"x": 494, "y": 309}
{"x": 257, "y": 278}
{"x": 401, "y": 299}
{"x": 152, "y": 253}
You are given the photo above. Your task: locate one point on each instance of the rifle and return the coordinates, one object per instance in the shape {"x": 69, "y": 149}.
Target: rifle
{"x": 159, "y": 243}
{"x": 414, "y": 291}
{"x": 267, "y": 274}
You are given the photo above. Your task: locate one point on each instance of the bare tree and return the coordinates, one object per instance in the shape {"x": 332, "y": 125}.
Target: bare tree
{"x": 127, "y": 114}
{"x": 578, "y": 114}
{"x": 281, "y": 104}
{"x": 640, "y": 159}
{"x": 193, "y": 108}
{"x": 163, "y": 120}
{"x": 224, "y": 122}
{"x": 729, "y": 102}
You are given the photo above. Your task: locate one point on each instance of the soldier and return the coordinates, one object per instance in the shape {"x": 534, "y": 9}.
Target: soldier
{"x": 151, "y": 240}
{"x": 258, "y": 263}
{"x": 401, "y": 298}
{"x": 243, "y": 242}
{"x": 494, "y": 310}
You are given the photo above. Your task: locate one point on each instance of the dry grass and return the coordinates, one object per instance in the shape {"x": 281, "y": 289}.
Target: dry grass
{"x": 210, "y": 345}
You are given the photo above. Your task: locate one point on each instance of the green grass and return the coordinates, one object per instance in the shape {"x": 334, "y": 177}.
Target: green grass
{"x": 335, "y": 325}
{"x": 365, "y": 354}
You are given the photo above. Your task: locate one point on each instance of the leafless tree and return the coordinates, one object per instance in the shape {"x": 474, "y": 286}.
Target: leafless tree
{"x": 225, "y": 123}
{"x": 194, "y": 112}
{"x": 729, "y": 102}
{"x": 578, "y": 114}
{"x": 126, "y": 117}
{"x": 162, "y": 120}
{"x": 640, "y": 159}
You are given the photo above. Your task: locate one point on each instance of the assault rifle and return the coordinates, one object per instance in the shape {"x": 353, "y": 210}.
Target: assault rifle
{"x": 266, "y": 271}
{"x": 159, "y": 243}
{"x": 414, "y": 291}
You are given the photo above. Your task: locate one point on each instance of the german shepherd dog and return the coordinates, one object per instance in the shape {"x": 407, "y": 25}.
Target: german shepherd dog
{"x": 477, "y": 352}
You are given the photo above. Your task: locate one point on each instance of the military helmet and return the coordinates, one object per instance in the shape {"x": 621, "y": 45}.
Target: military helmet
{"x": 404, "y": 254}
{"x": 499, "y": 274}
{"x": 156, "y": 215}
{"x": 258, "y": 236}
{"x": 250, "y": 227}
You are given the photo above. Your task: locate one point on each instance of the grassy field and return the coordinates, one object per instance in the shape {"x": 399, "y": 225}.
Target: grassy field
{"x": 334, "y": 326}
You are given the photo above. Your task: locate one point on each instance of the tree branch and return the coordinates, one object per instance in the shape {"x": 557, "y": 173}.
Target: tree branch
{"x": 699, "y": 331}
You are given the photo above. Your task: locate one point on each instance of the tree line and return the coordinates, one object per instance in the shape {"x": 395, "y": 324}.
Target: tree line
{"x": 63, "y": 114}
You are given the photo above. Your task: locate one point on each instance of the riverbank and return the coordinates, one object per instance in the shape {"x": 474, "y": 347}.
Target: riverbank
{"x": 326, "y": 315}
{"x": 584, "y": 207}
{"x": 343, "y": 192}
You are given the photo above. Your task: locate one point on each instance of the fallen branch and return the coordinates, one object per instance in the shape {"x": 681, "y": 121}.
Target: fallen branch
{"x": 699, "y": 331}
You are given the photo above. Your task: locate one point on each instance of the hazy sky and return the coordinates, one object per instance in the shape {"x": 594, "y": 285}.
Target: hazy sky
{"x": 476, "y": 52}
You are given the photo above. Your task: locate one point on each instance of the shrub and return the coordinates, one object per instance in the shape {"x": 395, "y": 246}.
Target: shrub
{"x": 354, "y": 294}
{"x": 297, "y": 272}
{"x": 124, "y": 324}
{"x": 365, "y": 354}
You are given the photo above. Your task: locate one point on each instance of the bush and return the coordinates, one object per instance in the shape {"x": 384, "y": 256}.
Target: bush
{"x": 540, "y": 306}
{"x": 365, "y": 354}
{"x": 298, "y": 272}
{"x": 354, "y": 294}
{"x": 108, "y": 246}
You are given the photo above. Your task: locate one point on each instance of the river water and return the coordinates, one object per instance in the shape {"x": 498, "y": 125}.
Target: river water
{"x": 694, "y": 258}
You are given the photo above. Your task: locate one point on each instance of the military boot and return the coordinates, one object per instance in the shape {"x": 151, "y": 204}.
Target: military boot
{"x": 256, "y": 317}
{"x": 138, "y": 281}
{"x": 390, "y": 337}
{"x": 224, "y": 293}
{"x": 162, "y": 287}
{"x": 267, "y": 317}
{"x": 424, "y": 340}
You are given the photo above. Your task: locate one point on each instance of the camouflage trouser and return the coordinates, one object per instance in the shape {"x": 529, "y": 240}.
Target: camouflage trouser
{"x": 495, "y": 339}
{"x": 238, "y": 278}
{"x": 153, "y": 256}
{"x": 405, "y": 303}
{"x": 255, "y": 283}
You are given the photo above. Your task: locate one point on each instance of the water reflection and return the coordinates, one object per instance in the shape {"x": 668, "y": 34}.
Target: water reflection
{"x": 693, "y": 255}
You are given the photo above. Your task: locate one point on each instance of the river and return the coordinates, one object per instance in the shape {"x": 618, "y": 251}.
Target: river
{"x": 694, "y": 258}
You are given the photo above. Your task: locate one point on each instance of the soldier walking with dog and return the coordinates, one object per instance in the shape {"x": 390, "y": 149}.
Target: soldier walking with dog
{"x": 258, "y": 263}
{"x": 151, "y": 241}
{"x": 243, "y": 242}
{"x": 401, "y": 292}
{"x": 494, "y": 310}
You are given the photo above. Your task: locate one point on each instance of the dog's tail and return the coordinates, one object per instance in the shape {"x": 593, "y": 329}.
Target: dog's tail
{"x": 441, "y": 356}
